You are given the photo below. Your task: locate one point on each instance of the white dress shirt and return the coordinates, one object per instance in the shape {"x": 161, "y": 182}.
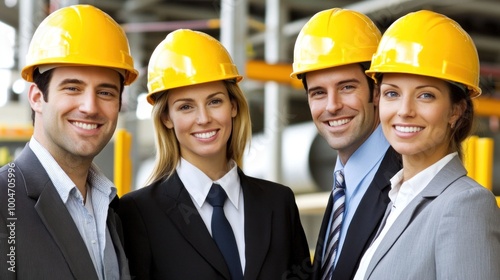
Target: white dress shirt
{"x": 198, "y": 185}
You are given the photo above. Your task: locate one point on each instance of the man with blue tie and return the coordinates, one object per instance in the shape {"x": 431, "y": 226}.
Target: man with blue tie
{"x": 331, "y": 54}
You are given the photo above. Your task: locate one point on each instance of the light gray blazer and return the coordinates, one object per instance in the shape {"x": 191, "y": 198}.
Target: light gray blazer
{"x": 451, "y": 230}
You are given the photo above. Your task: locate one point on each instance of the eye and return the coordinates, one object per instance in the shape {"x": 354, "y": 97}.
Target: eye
{"x": 427, "y": 95}
{"x": 106, "y": 93}
{"x": 316, "y": 93}
{"x": 70, "y": 89}
{"x": 215, "y": 101}
{"x": 184, "y": 107}
{"x": 390, "y": 94}
{"x": 348, "y": 88}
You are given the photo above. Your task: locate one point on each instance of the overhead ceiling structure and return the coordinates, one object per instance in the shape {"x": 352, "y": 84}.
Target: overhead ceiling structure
{"x": 155, "y": 18}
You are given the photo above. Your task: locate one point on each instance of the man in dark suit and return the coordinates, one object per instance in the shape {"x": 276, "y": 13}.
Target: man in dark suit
{"x": 331, "y": 53}
{"x": 56, "y": 215}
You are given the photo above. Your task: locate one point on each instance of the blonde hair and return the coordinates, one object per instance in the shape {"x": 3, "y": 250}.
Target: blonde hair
{"x": 168, "y": 152}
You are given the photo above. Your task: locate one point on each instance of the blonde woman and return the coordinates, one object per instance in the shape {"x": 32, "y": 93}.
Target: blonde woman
{"x": 202, "y": 125}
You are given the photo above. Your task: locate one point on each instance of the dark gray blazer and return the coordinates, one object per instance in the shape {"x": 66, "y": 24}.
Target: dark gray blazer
{"x": 47, "y": 242}
{"x": 451, "y": 230}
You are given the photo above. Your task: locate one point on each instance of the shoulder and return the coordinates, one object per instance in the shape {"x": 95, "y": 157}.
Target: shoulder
{"x": 145, "y": 192}
{"x": 465, "y": 185}
{"x": 266, "y": 186}
{"x": 466, "y": 193}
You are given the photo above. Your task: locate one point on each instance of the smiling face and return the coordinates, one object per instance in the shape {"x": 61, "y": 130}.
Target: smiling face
{"x": 341, "y": 107}
{"x": 80, "y": 115}
{"x": 416, "y": 115}
{"x": 201, "y": 116}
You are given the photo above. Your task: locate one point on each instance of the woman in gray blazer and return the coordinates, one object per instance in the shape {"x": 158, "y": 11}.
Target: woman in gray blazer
{"x": 440, "y": 223}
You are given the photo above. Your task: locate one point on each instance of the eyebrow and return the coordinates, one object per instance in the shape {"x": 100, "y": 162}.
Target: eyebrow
{"x": 347, "y": 81}
{"x": 418, "y": 87}
{"x": 191, "y": 99}
{"x": 80, "y": 82}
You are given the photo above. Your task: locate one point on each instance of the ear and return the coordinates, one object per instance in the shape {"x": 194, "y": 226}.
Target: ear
{"x": 234, "y": 108}
{"x": 35, "y": 98}
{"x": 457, "y": 111}
{"x": 165, "y": 119}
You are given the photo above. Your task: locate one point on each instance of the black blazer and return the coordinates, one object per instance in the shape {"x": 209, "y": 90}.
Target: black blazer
{"x": 47, "y": 242}
{"x": 364, "y": 223}
{"x": 165, "y": 237}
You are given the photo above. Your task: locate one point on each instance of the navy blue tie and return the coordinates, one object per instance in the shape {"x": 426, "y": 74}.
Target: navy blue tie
{"x": 222, "y": 232}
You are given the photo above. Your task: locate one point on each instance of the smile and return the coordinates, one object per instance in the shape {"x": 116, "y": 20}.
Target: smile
{"x": 339, "y": 122}
{"x": 408, "y": 129}
{"x": 86, "y": 126}
{"x": 205, "y": 135}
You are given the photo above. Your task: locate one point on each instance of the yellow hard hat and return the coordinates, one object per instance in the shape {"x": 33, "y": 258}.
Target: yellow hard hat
{"x": 80, "y": 35}
{"x": 429, "y": 44}
{"x": 332, "y": 38}
{"x": 186, "y": 57}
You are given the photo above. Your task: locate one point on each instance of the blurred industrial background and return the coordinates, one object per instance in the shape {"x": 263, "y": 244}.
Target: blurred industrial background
{"x": 260, "y": 35}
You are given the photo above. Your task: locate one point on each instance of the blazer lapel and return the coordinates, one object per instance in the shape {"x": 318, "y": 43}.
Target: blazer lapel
{"x": 118, "y": 245}
{"x": 179, "y": 207}
{"x": 318, "y": 252}
{"x": 447, "y": 175}
{"x": 258, "y": 219}
{"x": 61, "y": 226}
{"x": 55, "y": 216}
{"x": 365, "y": 221}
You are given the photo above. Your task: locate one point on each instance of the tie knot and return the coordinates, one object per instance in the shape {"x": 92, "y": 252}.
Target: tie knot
{"x": 339, "y": 179}
{"x": 216, "y": 196}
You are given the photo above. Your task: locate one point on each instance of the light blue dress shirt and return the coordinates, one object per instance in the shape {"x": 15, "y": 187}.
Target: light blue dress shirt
{"x": 89, "y": 218}
{"x": 358, "y": 175}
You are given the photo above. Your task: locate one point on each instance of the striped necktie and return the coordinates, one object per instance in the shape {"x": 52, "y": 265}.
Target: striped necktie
{"x": 332, "y": 243}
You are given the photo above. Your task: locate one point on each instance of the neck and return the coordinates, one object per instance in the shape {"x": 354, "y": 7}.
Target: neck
{"x": 213, "y": 168}
{"x": 77, "y": 170}
{"x": 414, "y": 164}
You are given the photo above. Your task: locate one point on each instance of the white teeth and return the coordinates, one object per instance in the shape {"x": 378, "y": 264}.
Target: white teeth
{"x": 408, "y": 129}
{"x": 339, "y": 122}
{"x": 205, "y": 135}
{"x": 86, "y": 126}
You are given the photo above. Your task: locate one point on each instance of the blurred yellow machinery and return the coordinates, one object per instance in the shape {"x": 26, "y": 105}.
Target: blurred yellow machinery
{"x": 478, "y": 160}
{"x": 122, "y": 162}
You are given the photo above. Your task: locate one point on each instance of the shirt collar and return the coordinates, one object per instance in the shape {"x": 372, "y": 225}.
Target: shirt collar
{"x": 404, "y": 192}
{"x": 363, "y": 159}
{"x": 63, "y": 184}
{"x": 198, "y": 184}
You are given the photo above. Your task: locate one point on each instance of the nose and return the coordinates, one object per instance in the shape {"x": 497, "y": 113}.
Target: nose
{"x": 334, "y": 102}
{"x": 88, "y": 103}
{"x": 406, "y": 108}
{"x": 203, "y": 116}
